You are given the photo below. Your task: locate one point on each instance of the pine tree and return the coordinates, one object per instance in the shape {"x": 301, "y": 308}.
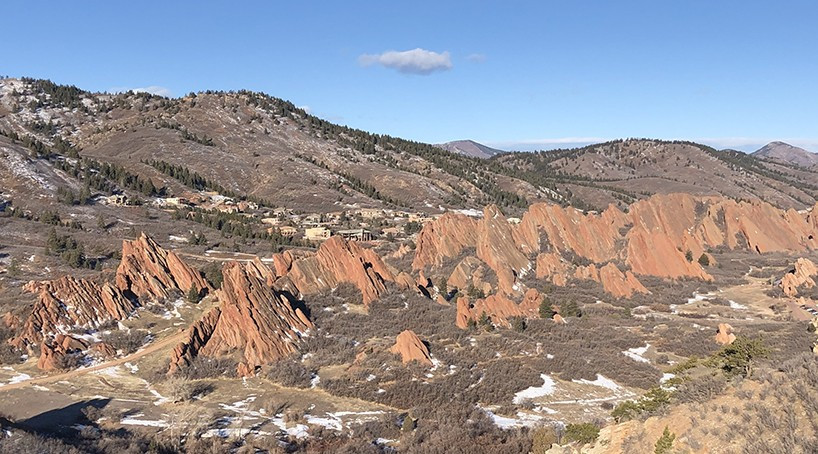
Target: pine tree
{"x": 194, "y": 295}
{"x": 665, "y": 443}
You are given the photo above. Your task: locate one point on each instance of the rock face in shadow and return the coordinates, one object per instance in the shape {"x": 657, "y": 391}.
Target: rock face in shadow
{"x": 68, "y": 302}
{"x": 254, "y": 323}
{"x": 661, "y": 236}
{"x": 410, "y": 348}
{"x": 338, "y": 261}
{"x": 149, "y": 271}
{"x": 800, "y": 276}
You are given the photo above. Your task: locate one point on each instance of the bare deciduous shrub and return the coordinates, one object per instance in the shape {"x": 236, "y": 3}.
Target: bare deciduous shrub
{"x": 701, "y": 389}
{"x": 290, "y": 372}
{"x": 206, "y": 367}
{"x": 127, "y": 341}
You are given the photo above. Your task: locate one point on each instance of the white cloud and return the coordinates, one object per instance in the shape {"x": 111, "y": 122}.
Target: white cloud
{"x": 306, "y": 109}
{"x": 152, "y": 89}
{"x": 476, "y": 58}
{"x": 415, "y": 61}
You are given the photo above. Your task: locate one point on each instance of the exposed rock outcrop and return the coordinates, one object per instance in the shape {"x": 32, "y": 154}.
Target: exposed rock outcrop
{"x": 254, "y": 323}
{"x": 149, "y": 271}
{"x": 68, "y": 302}
{"x": 618, "y": 284}
{"x": 469, "y": 272}
{"x": 725, "y": 335}
{"x": 196, "y": 338}
{"x": 499, "y": 308}
{"x": 800, "y": 276}
{"x": 661, "y": 236}
{"x": 410, "y": 348}
{"x": 52, "y": 354}
{"x": 337, "y": 261}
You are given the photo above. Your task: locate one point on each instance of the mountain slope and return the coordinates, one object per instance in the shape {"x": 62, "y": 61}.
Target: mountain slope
{"x": 625, "y": 170}
{"x": 253, "y": 145}
{"x": 470, "y": 148}
{"x": 786, "y": 153}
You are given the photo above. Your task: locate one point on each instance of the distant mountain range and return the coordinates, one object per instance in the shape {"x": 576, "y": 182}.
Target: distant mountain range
{"x": 784, "y": 152}
{"x": 470, "y": 148}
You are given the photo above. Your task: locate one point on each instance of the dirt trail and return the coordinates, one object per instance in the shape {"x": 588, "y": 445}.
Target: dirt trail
{"x": 152, "y": 348}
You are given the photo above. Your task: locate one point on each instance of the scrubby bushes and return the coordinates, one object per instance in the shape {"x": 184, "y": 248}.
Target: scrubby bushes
{"x": 126, "y": 341}
{"x": 204, "y": 367}
{"x": 582, "y": 433}
{"x": 290, "y": 372}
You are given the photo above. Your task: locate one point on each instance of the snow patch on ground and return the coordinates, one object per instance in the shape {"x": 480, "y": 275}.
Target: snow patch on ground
{"x": 548, "y": 387}
{"x": 134, "y": 421}
{"x": 600, "y": 381}
{"x": 735, "y": 305}
{"x": 637, "y": 353}
{"x": 522, "y": 420}
{"x": 21, "y": 377}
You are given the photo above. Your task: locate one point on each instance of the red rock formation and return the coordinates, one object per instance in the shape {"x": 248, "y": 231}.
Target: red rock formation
{"x": 725, "y": 335}
{"x": 198, "y": 335}
{"x": 11, "y": 320}
{"x": 497, "y": 248}
{"x": 800, "y": 276}
{"x": 257, "y": 268}
{"x": 618, "y": 284}
{"x": 469, "y": 272}
{"x": 653, "y": 238}
{"x": 283, "y": 261}
{"x": 149, "y": 271}
{"x": 337, "y": 261}
{"x": 410, "y": 348}
{"x": 53, "y": 353}
{"x": 444, "y": 238}
{"x": 499, "y": 308}
{"x": 550, "y": 265}
{"x": 254, "y": 323}
{"x": 68, "y": 302}
{"x": 589, "y": 272}
{"x": 558, "y": 320}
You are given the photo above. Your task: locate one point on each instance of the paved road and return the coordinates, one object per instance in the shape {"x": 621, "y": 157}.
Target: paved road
{"x": 152, "y": 348}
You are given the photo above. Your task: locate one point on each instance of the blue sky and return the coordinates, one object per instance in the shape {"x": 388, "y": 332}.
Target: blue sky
{"x": 517, "y": 75}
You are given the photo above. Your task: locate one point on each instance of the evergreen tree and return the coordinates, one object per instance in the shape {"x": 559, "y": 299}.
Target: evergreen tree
{"x": 665, "y": 443}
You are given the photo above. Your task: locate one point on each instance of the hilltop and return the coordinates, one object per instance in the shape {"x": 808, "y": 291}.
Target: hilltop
{"x": 786, "y": 153}
{"x": 470, "y": 148}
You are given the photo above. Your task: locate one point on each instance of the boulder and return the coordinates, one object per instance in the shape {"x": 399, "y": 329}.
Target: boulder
{"x": 52, "y": 353}
{"x": 724, "y": 335}
{"x": 410, "y": 348}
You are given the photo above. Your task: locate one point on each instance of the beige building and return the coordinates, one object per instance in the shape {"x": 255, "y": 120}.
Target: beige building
{"x": 356, "y": 234}
{"x": 286, "y": 230}
{"x": 317, "y": 233}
